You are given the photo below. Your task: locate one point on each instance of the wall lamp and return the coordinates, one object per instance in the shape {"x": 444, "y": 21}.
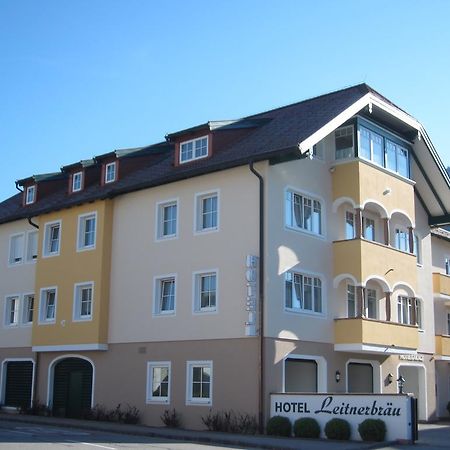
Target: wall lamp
{"x": 390, "y": 378}
{"x": 337, "y": 376}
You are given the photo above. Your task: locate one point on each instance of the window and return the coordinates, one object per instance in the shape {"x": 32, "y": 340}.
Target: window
{"x": 303, "y": 213}
{"x": 448, "y": 323}
{"x": 167, "y": 214}
{"x": 368, "y": 228}
{"x": 199, "y": 376}
{"x": 12, "y": 311}
{"x": 303, "y": 293}
{"x": 28, "y": 308}
{"x": 300, "y": 375}
{"x": 207, "y": 212}
{"x": 32, "y": 245}
{"x": 110, "y": 172}
{"x": 447, "y": 266}
{"x": 417, "y": 249}
{"x": 382, "y": 151}
{"x": 407, "y": 308}
{"x": 349, "y": 225}
{"x": 158, "y": 382}
{"x": 77, "y": 181}
{"x": 165, "y": 295}
{"x": 30, "y": 195}
{"x": 52, "y": 236}
{"x": 83, "y": 301}
{"x": 351, "y": 301}
{"x": 371, "y": 303}
{"x": 205, "y": 292}
{"x": 195, "y": 149}
{"x": 16, "y": 245}
{"x": 87, "y": 231}
{"x": 343, "y": 138}
{"x": 401, "y": 240}
{"x": 47, "y": 307}
{"x": 317, "y": 151}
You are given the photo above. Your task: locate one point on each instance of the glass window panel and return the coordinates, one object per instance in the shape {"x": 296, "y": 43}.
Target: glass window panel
{"x": 377, "y": 149}
{"x": 391, "y": 156}
{"x": 344, "y": 142}
{"x": 351, "y": 301}
{"x": 307, "y": 293}
{"x": 364, "y": 143}
{"x": 369, "y": 229}
{"x": 371, "y": 303}
{"x": 402, "y": 161}
{"x": 349, "y": 225}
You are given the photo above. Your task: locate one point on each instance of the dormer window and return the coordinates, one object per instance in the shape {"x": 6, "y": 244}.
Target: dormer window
{"x": 77, "y": 181}
{"x": 110, "y": 172}
{"x": 30, "y": 195}
{"x": 194, "y": 149}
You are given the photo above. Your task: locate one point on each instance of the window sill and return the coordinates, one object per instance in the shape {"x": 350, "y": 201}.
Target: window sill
{"x": 157, "y": 401}
{"x": 197, "y": 402}
{"x": 206, "y": 231}
{"x": 305, "y": 232}
{"x": 304, "y": 312}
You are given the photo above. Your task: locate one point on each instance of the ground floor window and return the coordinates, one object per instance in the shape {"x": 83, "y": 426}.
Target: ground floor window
{"x": 18, "y": 376}
{"x": 199, "y": 382}
{"x": 359, "y": 378}
{"x": 300, "y": 375}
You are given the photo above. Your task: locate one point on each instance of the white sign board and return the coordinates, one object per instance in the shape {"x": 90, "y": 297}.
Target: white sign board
{"x": 394, "y": 410}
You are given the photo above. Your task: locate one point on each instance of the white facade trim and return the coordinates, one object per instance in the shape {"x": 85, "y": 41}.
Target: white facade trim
{"x": 67, "y": 348}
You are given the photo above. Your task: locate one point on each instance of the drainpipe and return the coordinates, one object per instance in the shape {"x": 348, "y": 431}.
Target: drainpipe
{"x": 261, "y": 299}
{"x": 32, "y": 223}
{"x": 17, "y": 187}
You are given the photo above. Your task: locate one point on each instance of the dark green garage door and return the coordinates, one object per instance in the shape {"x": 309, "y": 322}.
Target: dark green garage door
{"x": 72, "y": 387}
{"x": 19, "y": 381}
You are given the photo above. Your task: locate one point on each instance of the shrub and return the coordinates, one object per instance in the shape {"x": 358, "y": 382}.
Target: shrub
{"x": 131, "y": 415}
{"x": 279, "y": 426}
{"x": 306, "y": 427}
{"x": 229, "y": 421}
{"x": 338, "y": 429}
{"x": 171, "y": 418}
{"x": 100, "y": 413}
{"x": 372, "y": 430}
{"x": 37, "y": 409}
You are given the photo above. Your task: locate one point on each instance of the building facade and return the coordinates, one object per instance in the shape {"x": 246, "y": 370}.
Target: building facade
{"x": 298, "y": 250}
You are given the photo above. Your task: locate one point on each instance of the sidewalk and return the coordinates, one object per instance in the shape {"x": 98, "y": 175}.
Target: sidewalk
{"x": 206, "y": 437}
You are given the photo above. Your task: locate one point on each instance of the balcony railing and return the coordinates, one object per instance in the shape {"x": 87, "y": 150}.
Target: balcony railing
{"x": 363, "y": 259}
{"x": 443, "y": 346}
{"x": 441, "y": 284}
{"x": 374, "y": 336}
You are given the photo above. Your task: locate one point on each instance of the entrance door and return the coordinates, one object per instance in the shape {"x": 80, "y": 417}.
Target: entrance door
{"x": 414, "y": 378}
{"x": 72, "y": 387}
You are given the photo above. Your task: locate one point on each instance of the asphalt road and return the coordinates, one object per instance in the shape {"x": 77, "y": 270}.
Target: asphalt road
{"x": 37, "y": 437}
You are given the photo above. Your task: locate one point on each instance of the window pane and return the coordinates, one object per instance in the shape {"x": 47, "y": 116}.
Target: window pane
{"x": 298, "y": 210}
{"x": 402, "y": 161}
{"x": 371, "y": 304}
{"x": 391, "y": 156}
{"x": 369, "y": 229}
{"x": 307, "y": 293}
{"x": 307, "y": 214}
{"x": 364, "y": 143}
{"x": 349, "y": 225}
{"x": 317, "y": 295}
{"x": 377, "y": 148}
{"x": 288, "y": 289}
{"x": 344, "y": 142}
{"x": 298, "y": 292}
{"x": 351, "y": 301}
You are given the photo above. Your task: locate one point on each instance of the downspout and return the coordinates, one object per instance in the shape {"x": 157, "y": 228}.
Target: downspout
{"x": 32, "y": 223}
{"x": 261, "y": 378}
{"x": 18, "y": 188}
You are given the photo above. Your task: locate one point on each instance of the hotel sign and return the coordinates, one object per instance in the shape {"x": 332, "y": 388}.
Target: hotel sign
{"x": 394, "y": 410}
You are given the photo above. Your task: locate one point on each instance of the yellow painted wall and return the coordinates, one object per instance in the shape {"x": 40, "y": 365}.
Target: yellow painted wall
{"x": 441, "y": 284}
{"x": 71, "y": 267}
{"x": 362, "y": 181}
{"x": 364, "y": 331}
{"x": 364, "y": 259}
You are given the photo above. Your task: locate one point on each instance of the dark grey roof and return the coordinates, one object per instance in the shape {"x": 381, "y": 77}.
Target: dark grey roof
{"x": 277, "y": 131}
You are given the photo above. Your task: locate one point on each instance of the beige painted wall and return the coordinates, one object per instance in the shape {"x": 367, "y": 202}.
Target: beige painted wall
{"x": 14, "y": 280}
{"x": 137, "y": 258}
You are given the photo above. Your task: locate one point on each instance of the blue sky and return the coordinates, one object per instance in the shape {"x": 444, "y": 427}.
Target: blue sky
{"x": 81, "y": 78}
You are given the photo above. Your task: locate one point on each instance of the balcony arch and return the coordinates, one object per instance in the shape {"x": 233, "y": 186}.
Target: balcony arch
{"x": 341, "y": 201}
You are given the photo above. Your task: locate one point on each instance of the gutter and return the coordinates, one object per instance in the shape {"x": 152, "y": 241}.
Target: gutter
{"x": 261, "y": 300}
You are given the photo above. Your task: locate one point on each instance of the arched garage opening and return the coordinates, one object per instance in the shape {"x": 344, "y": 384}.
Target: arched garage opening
{"x": 72, "y": 387}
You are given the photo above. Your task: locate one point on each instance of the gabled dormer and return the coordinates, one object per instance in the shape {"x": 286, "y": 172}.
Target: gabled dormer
{"x": 80, "y": 175}
{"x": 37, "y": 187}
{"x": 202, "y": 141}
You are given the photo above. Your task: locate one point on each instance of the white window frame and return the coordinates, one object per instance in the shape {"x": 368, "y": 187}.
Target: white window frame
{"x": 8, "y": 310}
{"x": 196, "y": 283}
{"x": 30, "y": 198}
{"x": 151, "y": 366}
{"x": 314, "y": 277}
{"x": 43, "y": 305}
{"x": 157, "y": 295}
{"x": 29, "y": 257}
{"x": 46, "y": 253}
{"x": 77, "y": 301}
{"x": 289, "y": 211}
{"x": 108, "y": 178}
{"x": 25, "y": 309}
{"x": 160, "y": 208}
{"x": 190, "y": 400}
{"x": 341, "y": 130}
{"x": 198, "y": 207}
{"x": 193, "y": 142}
{"x": 77, "y": 181}
{"x": 12, "y": 256}
{"x": 401, "y": 231}
{"x": 82, "y": 219}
